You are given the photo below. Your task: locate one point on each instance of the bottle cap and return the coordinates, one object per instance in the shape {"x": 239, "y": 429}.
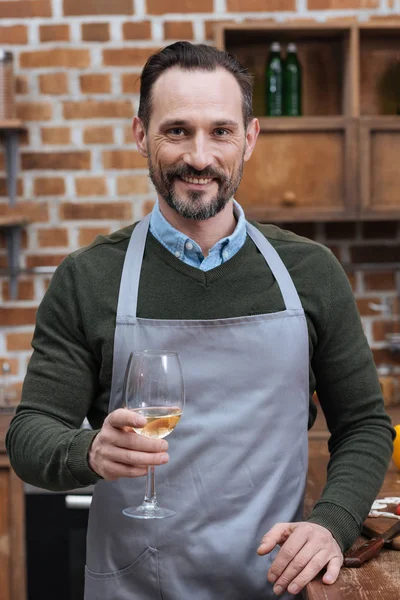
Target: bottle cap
{"x": 292, "y": 48}
{"x": 275, "y": 47}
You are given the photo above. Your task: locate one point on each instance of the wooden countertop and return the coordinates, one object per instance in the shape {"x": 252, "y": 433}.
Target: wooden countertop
{"x": 378, "y": 579}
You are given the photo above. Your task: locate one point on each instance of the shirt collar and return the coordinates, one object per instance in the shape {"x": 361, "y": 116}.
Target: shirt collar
{"x": 184, "y": 247}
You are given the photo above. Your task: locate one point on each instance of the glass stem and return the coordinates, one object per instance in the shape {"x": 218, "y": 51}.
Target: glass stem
{"x": 150, "y": 498}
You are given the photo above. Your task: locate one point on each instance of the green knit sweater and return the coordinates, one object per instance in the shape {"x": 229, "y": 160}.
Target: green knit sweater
{"x": 69, "y": 375}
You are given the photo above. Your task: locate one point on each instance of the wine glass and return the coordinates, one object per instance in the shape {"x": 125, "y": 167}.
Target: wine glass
{"x": 153, "y": 387}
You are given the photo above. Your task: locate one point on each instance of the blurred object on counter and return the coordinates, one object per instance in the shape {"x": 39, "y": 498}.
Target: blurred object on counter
{"x": 292, "y": 83}
{"x": 389, "y": 385}
{"x": 7, "y": 86}
{"x": 7, "y": 392}
{"x": 396, "y": 447}
{"x": 274, "y": 82}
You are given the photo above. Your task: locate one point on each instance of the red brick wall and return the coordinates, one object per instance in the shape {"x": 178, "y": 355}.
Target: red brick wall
{"x": 77, "y": 64}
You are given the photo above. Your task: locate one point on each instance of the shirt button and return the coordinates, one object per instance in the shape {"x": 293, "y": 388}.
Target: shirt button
{"x": 177, "y": 254}
{"x": 189, "y": 246}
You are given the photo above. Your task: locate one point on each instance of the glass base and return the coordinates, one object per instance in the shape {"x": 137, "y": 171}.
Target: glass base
{"x": 148, "y": 511}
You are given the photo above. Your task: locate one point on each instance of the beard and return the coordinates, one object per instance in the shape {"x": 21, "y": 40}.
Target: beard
{"x": 194, "y": 206}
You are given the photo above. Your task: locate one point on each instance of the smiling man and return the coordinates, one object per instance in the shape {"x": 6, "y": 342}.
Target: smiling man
{"x": 260, "y": 318}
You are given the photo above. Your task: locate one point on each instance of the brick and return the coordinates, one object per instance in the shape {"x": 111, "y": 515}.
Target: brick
{"x": 25, "y": 9}
{"x": 24, "y": 239}
{"x": 130, "y": 83}
{"x": 364, "y": 306}
{"x": 335, "y": 250}
{"x": 97, "y": 7}
{"x": 54, "y": 33}
{"x": 55, "y": 237}
{"x": 375, "y": 254}
{"x": 24, "y": 137}
{"x": 34, "y": 211}
{"x": 34, "y": 111}
{"x": 25, "y": 290}
{"x": 260, "y": 5}
{"x": 15, "y": 34}
{"x": 382, "y": 328}
{"x": 123, "y": 159}
{"x": 98, "y": 135}
{"x": 178, "y": 30}
{"x": 72, "y": 211}
{"x": 91, "y": 109}
{"x": 56, "y": 135}
{"x": 352, "y": 280}
{"x": 55, "y": 57}
{"x": 95, "y": 83}
{"x": 147, "y": 207}
{"x": 91, "y": 186}
{"x": 49, "y": 186}
{"x": 95, "y": 32}
{"x": 19, "y": 341}
{"x": 65, "y": 161}
{"x": 380, "y": 230}
{"x": 44, "y": 260}
{"x": 128, "y": 135}
{"x": 12, "y": 362}
{"x": 129, "y": 57}
{"x": 88, "y": 234}
{"x": 132, "y": 184}
{"x": 340, "y": 231}
{"x": 381, "y": 281}
{"x": 4, "y": 187}
{"x": 160, "y": 7}
{"x": 17, "y": 316}
{"x": 308, "y": 230}
{"x": 139, "y": 30}
{"x": 54, "y": 84}
{"x": 21, "y": 84}
{"x": 386, "y": 357}
{"x": 341, "y": 4}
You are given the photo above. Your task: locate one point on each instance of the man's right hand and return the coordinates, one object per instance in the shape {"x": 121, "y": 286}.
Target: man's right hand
{"x": 117, "y": 451}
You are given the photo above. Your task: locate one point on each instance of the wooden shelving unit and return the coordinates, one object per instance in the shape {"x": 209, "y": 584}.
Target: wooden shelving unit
{"x": 340, "y": 160}
{"x": 12, "y": 223}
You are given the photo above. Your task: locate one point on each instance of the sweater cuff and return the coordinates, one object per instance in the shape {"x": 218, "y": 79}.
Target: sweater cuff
{"x": 77, "y": 458}
{"x": 339, "y": 521}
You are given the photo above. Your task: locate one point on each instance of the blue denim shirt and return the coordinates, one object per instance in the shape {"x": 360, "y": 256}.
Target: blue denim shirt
{"x": 188, "y": 251}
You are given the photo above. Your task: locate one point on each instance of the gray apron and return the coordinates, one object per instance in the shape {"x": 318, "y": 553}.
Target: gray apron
{"x": 238, "y": 457}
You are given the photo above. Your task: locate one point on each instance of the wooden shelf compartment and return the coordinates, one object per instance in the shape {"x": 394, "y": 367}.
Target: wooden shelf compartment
{"x": 380, "y": 69}
{"x": 301, "y": 169}
{"x": 380, "y": 172}
{"x": 328, "y": 55}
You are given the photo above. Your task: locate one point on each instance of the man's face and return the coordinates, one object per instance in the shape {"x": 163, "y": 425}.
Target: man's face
{"x": 196, "y": 141}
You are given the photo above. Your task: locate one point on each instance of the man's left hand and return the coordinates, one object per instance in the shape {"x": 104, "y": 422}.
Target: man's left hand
{"x": 306, "y": 548}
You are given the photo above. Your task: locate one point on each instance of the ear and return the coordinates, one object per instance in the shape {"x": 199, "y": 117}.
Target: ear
{"x": 139, "y": 134}
{"x": 253, "y": 129}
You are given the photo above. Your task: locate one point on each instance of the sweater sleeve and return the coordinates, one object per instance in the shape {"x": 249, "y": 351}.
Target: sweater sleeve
{"x": 349, "y": 393}
{"x": 45, "y": 442}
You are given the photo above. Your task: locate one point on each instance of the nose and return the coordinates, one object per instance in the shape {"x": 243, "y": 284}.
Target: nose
{"x": 198, "y": 154}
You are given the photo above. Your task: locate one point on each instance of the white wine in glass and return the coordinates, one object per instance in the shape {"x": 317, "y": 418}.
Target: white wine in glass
{"x": 153, "y": 388}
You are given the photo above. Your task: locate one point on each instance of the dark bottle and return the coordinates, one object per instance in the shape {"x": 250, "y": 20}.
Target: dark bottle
{"x": 292, "y": 83}
{"x": 274, "y": 82}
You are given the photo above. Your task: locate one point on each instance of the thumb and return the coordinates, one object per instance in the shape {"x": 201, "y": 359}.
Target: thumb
{"x": 278, "y": 534}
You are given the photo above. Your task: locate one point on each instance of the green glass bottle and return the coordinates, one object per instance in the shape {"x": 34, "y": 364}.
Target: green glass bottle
{"x": 274, "y": 82}
{"x": 292, "y": 83}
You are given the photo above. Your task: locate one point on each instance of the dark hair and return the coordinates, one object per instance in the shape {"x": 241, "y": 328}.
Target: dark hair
{"x": 192, "y": 57}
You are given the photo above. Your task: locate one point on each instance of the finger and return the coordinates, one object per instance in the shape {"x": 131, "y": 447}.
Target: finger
{"x": 278, "y": 534}
{"x": 133, "y": 441}
{"x": 291, "y": 558}
{"x": 333, "y": 570}
{"x": 123, "y": 417}
{"x": 113, "y": 470}
{"x": 311, "y": 570}
{"x": 137, "y": 459}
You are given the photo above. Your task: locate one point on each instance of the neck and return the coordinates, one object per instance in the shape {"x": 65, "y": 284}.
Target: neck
{"x": 204, "y": 233}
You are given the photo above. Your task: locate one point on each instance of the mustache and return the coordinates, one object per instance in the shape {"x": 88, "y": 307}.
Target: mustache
{"x": 186, "y": 171}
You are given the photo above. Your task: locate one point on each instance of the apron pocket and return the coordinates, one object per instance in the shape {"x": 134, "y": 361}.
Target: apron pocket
{"x": 138, "y": 580}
